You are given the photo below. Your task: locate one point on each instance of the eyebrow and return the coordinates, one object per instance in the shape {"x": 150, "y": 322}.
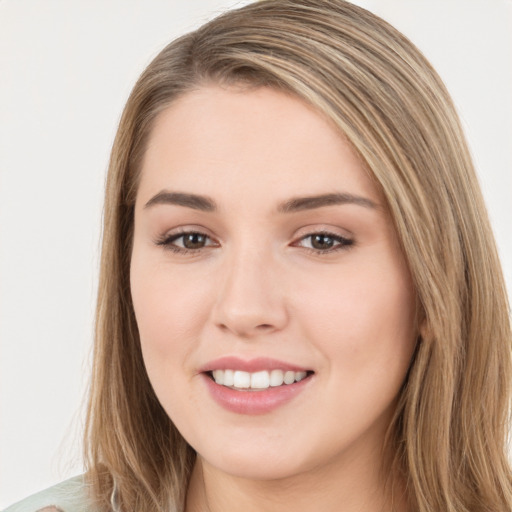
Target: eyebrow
{"x": 296, "y": 204}
{"x": 312, "y": 202}
{"x": 194, "y": 201}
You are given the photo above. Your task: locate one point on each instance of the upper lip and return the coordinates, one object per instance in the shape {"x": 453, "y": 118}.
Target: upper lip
{"x": 250, "y": 365}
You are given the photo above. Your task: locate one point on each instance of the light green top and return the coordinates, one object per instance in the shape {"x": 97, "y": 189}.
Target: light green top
{"x": 68, "y": 496}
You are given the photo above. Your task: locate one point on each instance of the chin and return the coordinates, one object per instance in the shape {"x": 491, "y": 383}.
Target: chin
{"x": 262, "y": 471}
{"x": 259, "y": 463}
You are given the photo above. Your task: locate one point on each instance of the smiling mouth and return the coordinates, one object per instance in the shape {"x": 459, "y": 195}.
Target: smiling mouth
{"x": 257, "y": 381}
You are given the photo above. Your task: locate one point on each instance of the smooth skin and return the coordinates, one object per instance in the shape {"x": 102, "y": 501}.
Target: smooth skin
{"x": 268, "y": 274}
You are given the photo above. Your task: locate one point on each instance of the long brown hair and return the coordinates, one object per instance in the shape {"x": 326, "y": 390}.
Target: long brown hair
{"x": 449, "y": 432}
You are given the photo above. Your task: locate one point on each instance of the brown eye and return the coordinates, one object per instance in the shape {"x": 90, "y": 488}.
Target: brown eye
{"x": 189, "y": 241}
{"x": 194, "y": 240}
{"x": 322, "y": 242}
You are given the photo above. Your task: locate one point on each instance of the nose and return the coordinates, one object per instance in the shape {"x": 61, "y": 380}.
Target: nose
{"x": 251, "y": 300}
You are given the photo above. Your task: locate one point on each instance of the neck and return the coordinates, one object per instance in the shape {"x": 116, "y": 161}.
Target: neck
{"x": 354, "y": 488}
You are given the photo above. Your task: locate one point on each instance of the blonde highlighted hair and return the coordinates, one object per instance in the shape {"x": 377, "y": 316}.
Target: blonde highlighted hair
{"x": 448, "y": 436}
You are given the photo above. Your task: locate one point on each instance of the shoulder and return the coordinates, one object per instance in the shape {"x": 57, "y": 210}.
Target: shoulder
{"x": 68, "y": 496}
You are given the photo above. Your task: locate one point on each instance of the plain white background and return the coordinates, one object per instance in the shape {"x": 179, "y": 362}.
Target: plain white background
{"x": 66, "y": 69}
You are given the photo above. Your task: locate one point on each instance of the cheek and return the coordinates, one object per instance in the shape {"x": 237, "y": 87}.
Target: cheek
{"x": 362, "y": 318}
{"x": 363, "y": 327}
{"x": 169, "y": 309}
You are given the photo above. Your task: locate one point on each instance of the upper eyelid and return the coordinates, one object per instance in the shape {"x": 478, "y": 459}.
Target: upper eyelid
{"x": 326, "y": 232}
{"x": 184, "y": 230}
{"x": 325, "y": 229}
{"x": 170, "y": 237}
{"x": 343, "y": 240}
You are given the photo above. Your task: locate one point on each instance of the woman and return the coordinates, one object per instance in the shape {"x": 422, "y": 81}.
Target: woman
{"x": 300, "y": 301}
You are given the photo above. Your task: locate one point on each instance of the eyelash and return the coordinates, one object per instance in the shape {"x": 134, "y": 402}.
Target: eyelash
{"x": 167, "y": 242}
{"x": 342, "y": 243}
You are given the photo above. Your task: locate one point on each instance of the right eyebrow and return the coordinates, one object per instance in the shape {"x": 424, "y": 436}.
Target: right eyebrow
{"x": 194, "y": 201}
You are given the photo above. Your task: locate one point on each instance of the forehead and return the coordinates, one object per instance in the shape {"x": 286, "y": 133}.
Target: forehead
{"x": 238, "y": 141}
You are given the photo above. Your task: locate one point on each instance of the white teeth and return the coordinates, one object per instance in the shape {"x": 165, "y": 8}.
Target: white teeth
{"x": 298, "y": 376}
{"x": 242, "y": 380}
{"x": 218, "y": 376}
{"x": 276, "y": 378}
{"x": 229, "y": 377}
{"x": 258, "y": 380}
{"x": 289, "y": 377}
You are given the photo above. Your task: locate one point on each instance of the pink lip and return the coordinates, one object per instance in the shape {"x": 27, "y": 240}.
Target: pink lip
{"x": 256, "y": 401}
{"x": 253, "y": 402}
{"x": 252, "y": 365}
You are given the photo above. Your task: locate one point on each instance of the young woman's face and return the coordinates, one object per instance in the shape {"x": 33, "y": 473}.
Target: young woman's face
{"x": 263, "y": 251}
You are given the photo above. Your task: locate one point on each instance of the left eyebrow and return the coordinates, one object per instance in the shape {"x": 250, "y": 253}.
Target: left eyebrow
{"x": 311, "y": 202}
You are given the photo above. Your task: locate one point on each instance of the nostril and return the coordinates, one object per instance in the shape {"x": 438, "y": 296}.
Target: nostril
{"x": 246, "y": 331}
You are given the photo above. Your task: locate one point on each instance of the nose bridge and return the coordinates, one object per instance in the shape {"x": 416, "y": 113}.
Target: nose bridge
{"x": 250, "y": 300}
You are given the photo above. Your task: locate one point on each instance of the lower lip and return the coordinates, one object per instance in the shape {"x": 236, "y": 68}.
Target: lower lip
{"x": 254, "y": 402}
